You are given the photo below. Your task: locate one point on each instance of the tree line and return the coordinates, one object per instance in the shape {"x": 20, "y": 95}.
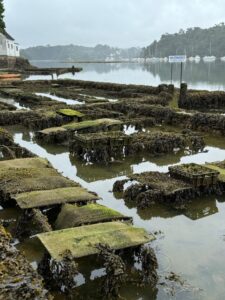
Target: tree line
{"x": 191, "y": 42}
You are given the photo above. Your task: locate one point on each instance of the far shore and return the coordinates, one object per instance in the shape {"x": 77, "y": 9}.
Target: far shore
{"x": 86, "y": 62}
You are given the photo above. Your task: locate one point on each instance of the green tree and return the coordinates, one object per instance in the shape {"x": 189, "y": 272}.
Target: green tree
{"x": 193, "y": 41}
{"x": 2, "y": 22}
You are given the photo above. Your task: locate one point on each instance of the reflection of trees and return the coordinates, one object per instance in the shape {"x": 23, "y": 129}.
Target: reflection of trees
{"x": 99, "y": 68}
{"x": 212, "y": 73}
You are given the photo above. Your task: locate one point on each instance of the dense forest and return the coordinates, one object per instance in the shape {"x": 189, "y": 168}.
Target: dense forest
{"x": 79, "y": 53}
{"x": 192, "y": 42}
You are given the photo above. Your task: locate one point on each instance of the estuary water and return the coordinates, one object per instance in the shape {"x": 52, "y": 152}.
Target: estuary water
{"x": 210, "y": 76}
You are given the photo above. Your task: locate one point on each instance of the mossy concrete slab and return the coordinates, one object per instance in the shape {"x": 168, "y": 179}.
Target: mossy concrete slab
{"x": 73, "y": 216}
{"x": 35, "y": 162}
{"x": 15, "y": 180}
{"x": 218, "y": 168}
{"x": 70, "y": 113}
{"x": 91, "y": 123}
{"x": 53, "y": 197}
{"x": 52, "y": 130}
{"x": 82, "y": 241}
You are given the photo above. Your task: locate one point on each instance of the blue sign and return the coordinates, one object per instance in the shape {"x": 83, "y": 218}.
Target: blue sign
{"x": 177, "y": 58}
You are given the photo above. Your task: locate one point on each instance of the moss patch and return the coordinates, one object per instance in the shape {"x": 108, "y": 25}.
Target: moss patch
{"x": 92, "y": 123}
{"x": 70, "y": 113}
{"x": 73, "y": 216}
{"x": 51, "y": 130}
{"x": 52, "y": 197}
{"x": 14, "y": 181}
{"x": 25, "y": 163}
{"x": 221, "y": 170}
{"x": 82, "y": 241}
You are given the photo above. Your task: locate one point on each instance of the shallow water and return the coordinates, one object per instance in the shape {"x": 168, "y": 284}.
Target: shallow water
{"x": 192, "y": 241}
{"x": 201, "y": 75}
{"x": 60, "y": 99}
{"x": 14, "y": 103}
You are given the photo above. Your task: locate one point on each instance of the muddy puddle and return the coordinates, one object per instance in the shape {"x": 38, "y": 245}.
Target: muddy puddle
{"x": 188, "y": 242}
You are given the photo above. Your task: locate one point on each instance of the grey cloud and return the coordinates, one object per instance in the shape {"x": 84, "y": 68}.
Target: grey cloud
{"x": 121, "y": 23}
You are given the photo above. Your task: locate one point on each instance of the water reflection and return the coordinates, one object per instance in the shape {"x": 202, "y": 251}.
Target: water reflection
{"x": 201, "y": 208}
{"x": 14, "y": 103}
{"x": 198, "y": 76}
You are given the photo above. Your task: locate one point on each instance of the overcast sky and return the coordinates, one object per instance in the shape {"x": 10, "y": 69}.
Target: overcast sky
{"x": 122, "y": 23}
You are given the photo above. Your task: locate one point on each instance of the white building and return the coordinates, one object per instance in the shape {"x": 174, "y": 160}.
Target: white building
{"x": 8, "y": 46}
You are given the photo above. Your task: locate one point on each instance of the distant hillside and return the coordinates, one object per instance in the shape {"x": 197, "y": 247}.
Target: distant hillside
{"x": 192, "y": 42}
{"x": 79, "y": 53}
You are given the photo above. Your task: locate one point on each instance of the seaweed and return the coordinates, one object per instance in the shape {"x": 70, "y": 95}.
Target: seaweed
{"x": 18, "y": 279}
{"x": 59, "y": 275}
{"x": 115, "y": 272}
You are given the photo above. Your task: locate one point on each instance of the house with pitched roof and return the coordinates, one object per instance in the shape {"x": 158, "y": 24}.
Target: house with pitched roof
{"x": 8, "y": 46}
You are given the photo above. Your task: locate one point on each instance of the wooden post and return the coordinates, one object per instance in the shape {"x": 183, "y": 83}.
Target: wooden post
{"x": 171, "y": 73}
{"x": 181, "y": 73}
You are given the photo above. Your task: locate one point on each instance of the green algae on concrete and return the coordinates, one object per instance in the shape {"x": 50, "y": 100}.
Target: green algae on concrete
{"x": 53, "y": 135}
{"x": 73, "y": 216}
{"x": 21, "y": 163}
{"x": 52, "y": 130}
{"x": 53, "y": 197}
{"x": 92, "y": 123}
{"x": 219, "y": 167}
{"x": 70, "y": 113}
{"x": 82, "y": 241}
{"x": 15, "y": 180}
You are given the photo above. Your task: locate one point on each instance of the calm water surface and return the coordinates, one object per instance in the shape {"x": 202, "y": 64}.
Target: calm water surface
{"x": 210, "y": 76}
